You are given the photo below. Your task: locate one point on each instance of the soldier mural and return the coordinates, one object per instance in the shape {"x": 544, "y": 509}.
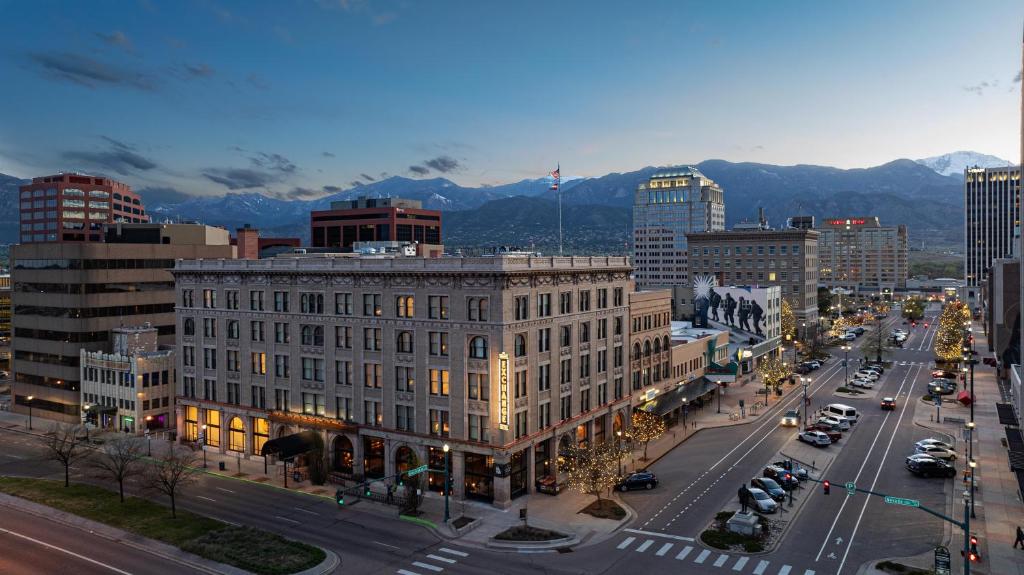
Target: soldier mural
{"x": 754, "y": 310}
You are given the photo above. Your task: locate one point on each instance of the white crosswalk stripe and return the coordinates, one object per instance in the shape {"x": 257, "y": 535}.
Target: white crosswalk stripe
{"x": 627, "y": 542}
{"x": 784, "y": 570}
{"x": 702, "y": 557}
{"x": 423, "y": 565}
{"x": 453, "y": 552}
{"x": 441, "y": 559}
{"x": 809, "y": 572}
{"x": 760, "y": 567}
{"x": 643, "y": 546}
{"x": 406, "y": 572}
{"x": 721, "y": 560}
{"x": 664, "y": 549}
{"x": 686, "y": 551}
{"x": 740, "y": 563}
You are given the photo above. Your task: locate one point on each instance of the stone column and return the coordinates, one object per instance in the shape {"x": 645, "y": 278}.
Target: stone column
{"x": 457, "y": 474}
{"x": 357, "y": 456}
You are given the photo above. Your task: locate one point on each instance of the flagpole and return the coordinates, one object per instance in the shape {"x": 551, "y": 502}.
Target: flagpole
{"x": 558, "y": 184}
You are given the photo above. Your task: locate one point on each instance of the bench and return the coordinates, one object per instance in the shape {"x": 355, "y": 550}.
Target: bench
{"x": 959, "y": 420}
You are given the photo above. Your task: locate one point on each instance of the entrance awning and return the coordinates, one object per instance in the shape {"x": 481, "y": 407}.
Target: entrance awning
{"x": 681, "y": 395}
{"x": 289, "y": 446}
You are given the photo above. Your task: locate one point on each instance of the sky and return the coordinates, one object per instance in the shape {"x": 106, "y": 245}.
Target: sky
{"x": 300, "y": 98}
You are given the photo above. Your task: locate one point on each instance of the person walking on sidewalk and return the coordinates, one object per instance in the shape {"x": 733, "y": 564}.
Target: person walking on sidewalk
{"x": 1020, "y": 538}
{"x": 390, "y": 497}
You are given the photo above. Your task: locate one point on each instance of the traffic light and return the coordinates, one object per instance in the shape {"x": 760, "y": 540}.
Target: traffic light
{"x": 926, "y": 324}
{"x": 825, "y": 485}
{"x": 339, "y": 496}
{"x": 789, "y": 477}
{"x": 975, "y": 555}
{"x": 367, "y": 489}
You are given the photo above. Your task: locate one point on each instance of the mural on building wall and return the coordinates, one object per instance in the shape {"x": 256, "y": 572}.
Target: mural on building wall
{"x": 704, "y": 298}
{"x": 747, "y": 308}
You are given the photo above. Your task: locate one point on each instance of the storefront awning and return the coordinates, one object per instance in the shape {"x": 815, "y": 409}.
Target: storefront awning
{"x": 681, "y": 395}
{"x": 289, "y": 446}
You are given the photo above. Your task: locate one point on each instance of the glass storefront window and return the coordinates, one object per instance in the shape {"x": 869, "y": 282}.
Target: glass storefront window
{"x": 260, "y": 434}
{"x": 212, "y": 434}
{"x": 542, "y": 459}
{"x": 236, "y": 435}
{"x": 373, "y": 457}
{"x": 343, "y": 455}
{"x": 479, "y": 475}
{"x": 191, "y": 423}
{"x": 435, "y": 459}
{"x": 517, "y": 473}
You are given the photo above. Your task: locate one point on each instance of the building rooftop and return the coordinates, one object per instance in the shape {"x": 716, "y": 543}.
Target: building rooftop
{"x": 684, "y": 331}
{"x": 678, "y": 172}
{"x": 390, "y": 262}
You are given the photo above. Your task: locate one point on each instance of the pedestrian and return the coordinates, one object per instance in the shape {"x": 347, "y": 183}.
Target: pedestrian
{"x": 1020, "y": 538}
{"x": 389, "y": 498}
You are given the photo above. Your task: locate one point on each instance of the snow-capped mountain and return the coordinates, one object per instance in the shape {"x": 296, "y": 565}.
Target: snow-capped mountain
{"x": 954, "y": 163}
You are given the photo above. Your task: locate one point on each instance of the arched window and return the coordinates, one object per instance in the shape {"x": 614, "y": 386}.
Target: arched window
{"x": 236, "y": 435}
{"x": 307, "y": 335}
{"x": 405, "y": 342}
{"x": 520, "y": 345}
{"x": 190, "y": 326}
{"x": 343, "y": 454}
{"x": 636, "y": 350}
{"x": 318, "y": 335}
{"x": 647, "y": 348}
{"x": 666, "y": 344}
{"x": 657, "y": 345}
{"x": 406, "y": 306}
{"x": 478, "y": 308}
{"x": 478, "y": 348}
{"x": 232, "y": 329}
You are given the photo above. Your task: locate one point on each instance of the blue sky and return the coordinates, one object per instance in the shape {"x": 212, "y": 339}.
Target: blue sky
{"x": 296, "y": 97}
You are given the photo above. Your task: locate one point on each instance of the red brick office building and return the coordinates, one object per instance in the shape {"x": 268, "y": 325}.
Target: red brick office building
{"x": 374, "y": 220}
{"x": 72, "y": 207}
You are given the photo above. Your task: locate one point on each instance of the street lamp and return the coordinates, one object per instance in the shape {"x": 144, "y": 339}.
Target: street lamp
{"x": 846, "y": 363}
{"x": 28, "y": 400}
{"x": 202, "y": 440}
{"x": 805, "y": 381}
{"x": 970, "y": 458}
{"x": 446, "y": 448}
{"x": 149, "y": 438}
{"x": 619, "y": 434}
{"x": 720, "y": 394}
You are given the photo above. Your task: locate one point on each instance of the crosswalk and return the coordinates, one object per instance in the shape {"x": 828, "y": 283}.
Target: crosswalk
{"x": 434, "y": 562}
{"x": 683, "y": 551}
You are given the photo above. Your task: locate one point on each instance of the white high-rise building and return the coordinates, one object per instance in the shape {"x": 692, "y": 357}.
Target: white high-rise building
{"x": 674, "y": 202}
{"x": 991, "y": 215}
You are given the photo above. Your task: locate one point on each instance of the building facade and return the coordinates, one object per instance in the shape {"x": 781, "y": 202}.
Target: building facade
{"x": 862, "y": 255}
{"x": 68, "y": 297}
{"x": 672, "y": 203}
{"x": 786, "y": 258}
{"x": 5, "y": 305}
{"x": 991, "y": 220}
{"x": 375, "y": 220}
{"x": 510, "y": 360}
{"x": 73, "y": 207}
{"x": 131, "y": 388}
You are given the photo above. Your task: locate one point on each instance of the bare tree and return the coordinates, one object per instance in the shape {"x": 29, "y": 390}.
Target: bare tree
{"x": 119, "y": 460}
{"x": 173, "y": 472}
{"x": 63, "y": 447}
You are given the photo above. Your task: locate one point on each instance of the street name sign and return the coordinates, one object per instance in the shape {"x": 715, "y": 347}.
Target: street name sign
{"x": 416, "y": 470}
{"x": 901, "y": 501}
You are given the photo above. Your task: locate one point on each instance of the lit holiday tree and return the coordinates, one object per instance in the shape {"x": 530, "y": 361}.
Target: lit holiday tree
{"x": 788, "y": 321}
{"x": 594, "y": 468}
{"x": 839, "y": 327}
{"x": 646, "y": 427}
{"x": 773, "y": 372}
{"x": 949, "y": 336}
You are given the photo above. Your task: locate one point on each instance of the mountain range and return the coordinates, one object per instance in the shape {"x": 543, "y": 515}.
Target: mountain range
{"x": 924, "y": 194}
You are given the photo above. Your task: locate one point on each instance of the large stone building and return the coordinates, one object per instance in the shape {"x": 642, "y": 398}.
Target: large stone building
{"x": 673, "y": 203}
{"x": 786, "y": 258}
{"x": 67, "y": 297}
{"x": 862, "y": 255}
{"x": 991, "y": 220}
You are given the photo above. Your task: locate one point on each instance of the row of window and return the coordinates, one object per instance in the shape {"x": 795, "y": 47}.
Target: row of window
{"x": 749, "y": 250}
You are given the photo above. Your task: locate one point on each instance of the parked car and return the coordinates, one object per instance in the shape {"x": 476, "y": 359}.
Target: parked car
{"x": 833, "y": 435}
{"x": 933, "y": 441}
{"x": 642, "y": 479}
{"x": 842, "y": 423}
{"x": 888, "y": 403}
{"x": 866, "y": 374}
{"x": 791, "y": 418}
{"x": 815, "y": 364}
{"x": 769, "y": 486}
{"x": 779, "y": 475}
{"x": 872, "y": 369}
{"x": 939, "y": 373}
{"x": 864, "y": 383}
{"x": 937, "y": 452}
{"x": 858, "y": 330}
{"x": 877, "y": 367}
{"x": 848, "y": 336}
{"x": 941, "y": 387}
{"x": 931, "y": 468}
{"x": 761, "y": 501}
{"x": 919, "y": 457}
{"x": 816, "y": 438}
{"x": 794, "y": 468}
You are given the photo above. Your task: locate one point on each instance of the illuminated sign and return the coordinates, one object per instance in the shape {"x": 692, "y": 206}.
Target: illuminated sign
{"x": 503, "y": 391}
{"x": 650, "y": 394}
{"x": 848, "y": 222}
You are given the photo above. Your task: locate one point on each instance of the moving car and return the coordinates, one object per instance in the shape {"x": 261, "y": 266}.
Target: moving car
{"x": 933, "y": 441}
{"x": 936, "y": 451}
{"x": 931, "y": 467}
{"x": 761, "y": 501}
{"x": 817, "y": 438}
{"x": 791, "y": 419}
{"x": 858, "y": 330}
{"x": 848, "y": 336}
{"x": 842, "y": 411}
{"x": 842, "y": 423}
{"x": 641, "y": 479}
{"x": 793, "y": 467}
{"x": 833, "y": 434}
{"x": 888, "y": 403}
{"x": 779, "y": 475}
{"x": 769, "y": 486}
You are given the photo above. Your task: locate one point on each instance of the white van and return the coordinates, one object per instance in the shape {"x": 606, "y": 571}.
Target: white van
{"x": 838, "y": 409}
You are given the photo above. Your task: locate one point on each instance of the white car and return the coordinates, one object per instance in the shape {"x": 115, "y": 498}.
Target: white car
{"x": 814, "y": 438}
{"x": 936, "y": 452}
{"x": 933, "y": 441}
{"x": 842, "y": 422}
{"x": 866, "y": 374}
{"x": 863, "y": 383}
{"x": 814, "y": 364}
{"x": 761, "y": 501}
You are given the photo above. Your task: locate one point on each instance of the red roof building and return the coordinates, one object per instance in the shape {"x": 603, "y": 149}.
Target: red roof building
{"x": 72, "y": 207}
{"x": 374, "y": 220}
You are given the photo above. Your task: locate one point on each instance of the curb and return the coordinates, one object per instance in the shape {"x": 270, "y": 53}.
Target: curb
{"x": 328, "y": 565}
{"x": 520, "y": 546}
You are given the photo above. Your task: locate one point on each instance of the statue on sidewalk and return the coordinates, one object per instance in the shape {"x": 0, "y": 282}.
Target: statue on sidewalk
{"x": 744, "y": 495}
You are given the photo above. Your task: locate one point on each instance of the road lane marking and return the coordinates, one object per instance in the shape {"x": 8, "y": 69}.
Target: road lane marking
{"x": 721, "y": 560}
{"x": 386, "y": 545}
{"x": 643, "y": 546}
{"x": 206, "y": 498}
{"x": 682, "y": 554}
{"x": 225, "y": 490}
{"x": 740, "y": 563}
{"x": 306, "y": 511}
{"x": 288, "y": 520}
{"x": 655, "y": 534}
{"x": 759, "y": 570}
{"x": 423, "y": 565}
{"x": 703, "y": 555}
{"x": 441, "y": 559}
{"x": 846, "y": 499}
{"x": 664, "y": 549}
{"x": 626, "y": 542}
{"x": 881, "y": 464}
{"x": 63, "y": 550}
{"x": 453, "y": 552}
{"x": 405, "y": 572}
{"x": 785, "y": 570}
{"x": 809, "y": 572}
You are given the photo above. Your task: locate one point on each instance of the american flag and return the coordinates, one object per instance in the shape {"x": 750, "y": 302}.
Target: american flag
{"x": 557, "y": 175}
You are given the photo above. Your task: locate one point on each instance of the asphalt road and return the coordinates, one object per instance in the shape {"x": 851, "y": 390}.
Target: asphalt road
{"x": 831, "y": 534}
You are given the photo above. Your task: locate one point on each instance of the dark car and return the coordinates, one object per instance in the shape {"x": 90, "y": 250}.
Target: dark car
{"x": 876, "y": 366}
{"x": 770, "y": 487}
{"x": 828, "y": 430}
{"x": 779, "y": 475}
{"x": 638, "y": 480}
{"x": 792, "y": 466}
{"x": 888, "y": 403}
{"x": 931, "y": 468}
{"x": 941, "y": 387}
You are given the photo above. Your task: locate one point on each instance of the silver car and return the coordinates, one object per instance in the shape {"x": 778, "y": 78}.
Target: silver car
{"x": 761, "y": 501}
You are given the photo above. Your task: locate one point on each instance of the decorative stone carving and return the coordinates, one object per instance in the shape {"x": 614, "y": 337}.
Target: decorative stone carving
{"x": 342, "y": 280}
{"x": 522, "y": 402}
{"x": 281, "y": 279}
{"x": 477, "y": 406}
{"x": 231, "y": 279}
{"x": 434, "y": 281}
{"x": 317, "y": 350}
{"x": 405, "y": 396}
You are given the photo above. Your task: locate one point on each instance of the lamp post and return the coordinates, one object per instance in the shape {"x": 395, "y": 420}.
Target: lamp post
{"x": 846, "y": 364}
{"x": 446, "y": 448}
{"x": 619, "y": 434}
{"x": 967, "y": 534}
{"x": 970, "y": 459}
{"x": 28, "y": 400}
{"x": 149, "y": 437}
{"x": 202, "y": 441}
{"x": 805, "y": 381}
{"x": 721, "y": 392}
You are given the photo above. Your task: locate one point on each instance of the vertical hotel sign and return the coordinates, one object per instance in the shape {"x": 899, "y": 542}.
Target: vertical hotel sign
{"x": 503, "y": 391}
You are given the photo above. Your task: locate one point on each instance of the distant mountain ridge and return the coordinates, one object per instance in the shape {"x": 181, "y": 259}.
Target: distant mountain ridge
{"x": 598, "y": 211}
{"x": 954, "y": 163}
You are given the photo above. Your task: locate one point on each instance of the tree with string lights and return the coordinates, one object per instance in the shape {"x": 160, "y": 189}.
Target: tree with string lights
{"x": 788, "y": 319}
{"x": 646, "y": 428}
{"x": 593, "y": 468}
{"x": 949, "y": 335}
{"x": 773, "y": 372}
{"x": 839, "y": 327}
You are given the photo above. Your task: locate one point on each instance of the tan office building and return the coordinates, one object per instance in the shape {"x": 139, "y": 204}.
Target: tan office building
{"x": 67, "y": 297}
{"x": 861, "y": 254}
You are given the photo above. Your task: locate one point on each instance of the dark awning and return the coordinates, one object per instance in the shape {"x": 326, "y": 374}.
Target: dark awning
{"x": 1006, "y": 414}
{"x": 289, "y": 446}
{"x": 681, "y": 395}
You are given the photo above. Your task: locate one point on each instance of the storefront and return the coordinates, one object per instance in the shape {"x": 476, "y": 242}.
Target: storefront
{"x": 479, "y": 477}
{"x": 518, "y": 471}
{"x": 373, "y": 457}
{"x": 436, "y": 463}
{"x": 673, "y": 405}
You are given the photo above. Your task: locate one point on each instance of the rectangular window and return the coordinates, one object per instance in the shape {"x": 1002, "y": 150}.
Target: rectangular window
{"x": 188, "y": 356}
{"x": 584, "y": 301}
{"x": 343, "y": 304}
{"x": 371, "y": 305}
{"x": 256, "y": 330}
{"x": 438, "y": 343}
{"x": 602, "y": 328}
{"x": 566, "y": 374}
{"x": 602, "y": 298}
{"x": 372, "y": 414}
{"x": 520, "y": 380}
{"x": 259, "y": 363}
{"x": 209, "y": 358}
{"x": 438, "y": 305}
{"x": 343, "y": 408}
{"x": 313, "y": 404}
{"x": 565, "y": 335}
{"x": 522, "y": 305}
{"x": 281, "y": 301}
{"x": 256, "y": 301}
{"x": 232, "y": 362}
{"x": 478, "y": 428}
{"x": 602, "y": 361}
{"x": 544, "y": 377}
{"x": 231, "y": 296}
{"x": 372, "y": 339}
{"x": 343, "y": 372}
{"x": 565, "y": 407}
{"x": 343, "y": 337}
{"x": 544, "y": 340}
{"x": 281, "y": 366}
{"x": 259, "y": 397}
{"x": 404, "y": 417}
{"x": 372, "y": 376}
{"x": 209, "y": 298}
{"x": 282, "y": 400}
{"x": 439, "y": 422}
{"x": 584, "y": 400}
{"x": 405, "y": 378}
{"x": 478, "y": 386}
{"x": 585, "y": 332}
{"x": 439, "y": 382}
{"x": 617, "y": 297}
{"x": 281, "y": 333}
{"x": 585, "y": 365}
{"x": 544, "y": 415}
{"x": 212, "y": 431}
{"x": 565, "y": 302}
{"x": 187, "y": 298}
{"x": 520, "y": 424}
{"x": 544, "y": 305}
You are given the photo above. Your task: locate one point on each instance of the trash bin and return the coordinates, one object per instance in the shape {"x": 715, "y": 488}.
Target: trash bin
{"x": 296, "y": 476}
{"x": 220, "y": 465}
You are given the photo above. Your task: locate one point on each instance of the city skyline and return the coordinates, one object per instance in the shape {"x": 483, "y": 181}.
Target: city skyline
{"x": 207, "y": 98}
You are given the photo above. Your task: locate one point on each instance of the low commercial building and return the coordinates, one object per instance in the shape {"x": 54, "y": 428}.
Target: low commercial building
{"x": 508, "y": 360}
{"x": 377, "y": 220}
{"x": 131, "y": 388}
